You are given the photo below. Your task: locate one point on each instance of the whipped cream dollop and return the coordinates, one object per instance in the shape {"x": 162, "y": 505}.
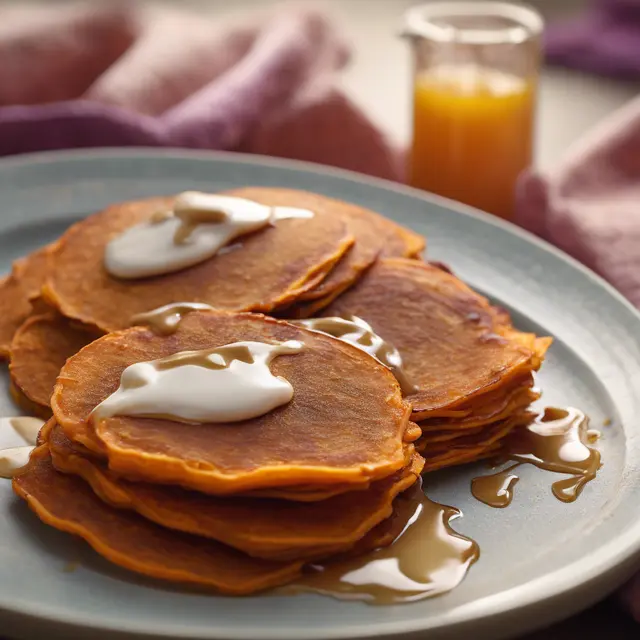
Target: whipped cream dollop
{"x": 197, "y": 227}
{"x": 224, "y": 384}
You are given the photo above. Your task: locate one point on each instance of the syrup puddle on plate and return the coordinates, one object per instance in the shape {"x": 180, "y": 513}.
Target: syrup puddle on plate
{"x": 557, "y": 441}
{"x": 426, "y": 559}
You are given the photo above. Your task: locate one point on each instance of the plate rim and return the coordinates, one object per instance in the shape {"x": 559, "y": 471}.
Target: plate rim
{"x": 153, "y": 153}
{"x": 607, "y": 558}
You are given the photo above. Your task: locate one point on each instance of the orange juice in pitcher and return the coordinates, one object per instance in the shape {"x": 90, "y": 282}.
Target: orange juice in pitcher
{"x": 473, "y": 100}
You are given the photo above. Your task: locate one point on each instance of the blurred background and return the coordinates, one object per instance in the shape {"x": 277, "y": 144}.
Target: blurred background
{"x": 379, "y": 75}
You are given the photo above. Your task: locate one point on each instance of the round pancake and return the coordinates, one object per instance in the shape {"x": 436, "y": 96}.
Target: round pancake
{"x": 32, "y": 270}
{"x": 346, "y": 422}
{"x": 486, "y": 415}
{"x": 480, "y": 404}
{"x": 263, "y": 528}
{"x": 486, "y": 436}
{"x": 270, "y": 267}
{"x": 453, "y": 344}
{"x": 458, "y": 457}
{"x": 38, "y": 350}
{"x": 375, "y": 236}
{"x": 45, "y": 432}
{"x": 447, "y": 436}
{"x": 469, "y": 447}
{"x": 126, "y": 539}
{"x": 306, "y": 308}
{"x": 16, "y": 292}
{"x": 313, "y": 493}
{"x": 307, "y": 493}
{"x": 27, "y": 405}
{"x": 14, "y": 310}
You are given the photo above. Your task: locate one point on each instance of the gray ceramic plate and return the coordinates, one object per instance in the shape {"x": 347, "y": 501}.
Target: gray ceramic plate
{"x": 541, "y": 560}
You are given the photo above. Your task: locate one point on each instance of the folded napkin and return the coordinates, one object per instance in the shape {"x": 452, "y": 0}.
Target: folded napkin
{"x": 605, "y": 40}
{"x": 85, "y": 76}
{"x": 589, "y": 205}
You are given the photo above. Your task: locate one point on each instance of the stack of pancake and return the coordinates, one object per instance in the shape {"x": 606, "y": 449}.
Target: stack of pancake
{"x": 189, "y": 502}
{"x": 241, "y": 508}
{"x": 472, "y": 372}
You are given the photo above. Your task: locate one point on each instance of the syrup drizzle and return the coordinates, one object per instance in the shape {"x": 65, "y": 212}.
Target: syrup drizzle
{"x": 496, "y": 490}
{"x": 426, "y": 559}
{"x": 557, "y": 441}
{"x": 166, "y": 320}
{"x": 359, "y": 333}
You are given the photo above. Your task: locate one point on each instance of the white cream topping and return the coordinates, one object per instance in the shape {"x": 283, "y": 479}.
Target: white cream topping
{"x": 197, "y": 228}
{"x": 225, "y": 384}
{"x": 18, "y": 437}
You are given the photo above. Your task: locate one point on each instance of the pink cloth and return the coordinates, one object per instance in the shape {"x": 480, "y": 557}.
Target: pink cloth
{"x": 589, "y": 206}
{"x": 604, "y": 39}
{"x": 81, "y": 76}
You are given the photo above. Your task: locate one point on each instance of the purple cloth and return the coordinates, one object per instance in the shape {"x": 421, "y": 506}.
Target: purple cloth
{"x": 589, "y": 206}
{"x": 606, "y": 40}
{"x": 82, "y": 76}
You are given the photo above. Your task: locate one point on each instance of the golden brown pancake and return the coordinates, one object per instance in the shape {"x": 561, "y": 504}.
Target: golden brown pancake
{"x": 264, "y": 528}
{"x": 45, "y": 432}
{"x": 31, "y": 271}
{"x": 302, "y": 309}
{"x": 458, "y": 457}
{"x": 313, "y": 493}
{"x": 125, "y": 538}
{"x": 432, "y": 443}
{"x": 14, "y": 310}
{"x": 375, "y": 236}
{"x": 485, "y": 414}
{"x": 497, "y": 398}
{"x": 469, "y": 447}
{"x": 18, "y": 292}
{"x": 272, "y": 267}
{"x": 306, "y": 308}
{"x": 27, "y": 405}
{"x": 453, "y": 344}
{"x": 39, "y": 349}
{"x": 308, "y": 493}
{"x": 346, "y": 422}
